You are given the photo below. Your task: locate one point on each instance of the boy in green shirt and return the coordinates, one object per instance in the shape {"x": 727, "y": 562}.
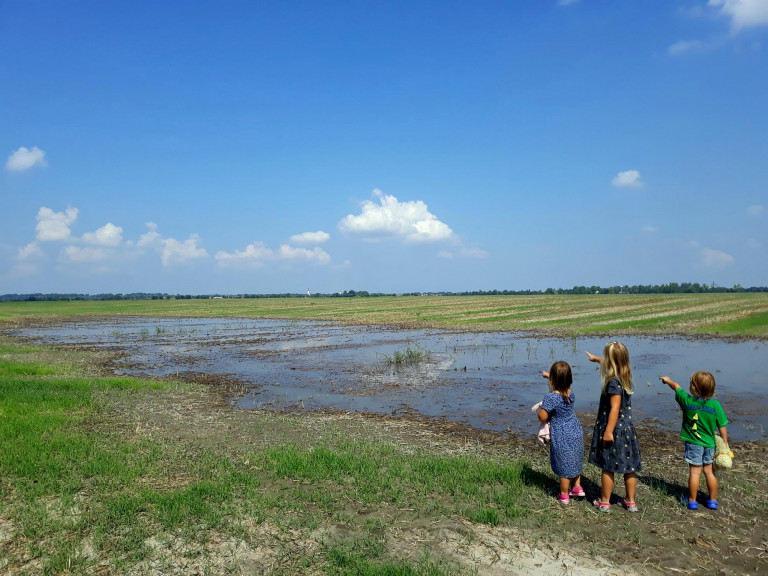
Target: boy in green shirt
{"x": 702, "y": 417}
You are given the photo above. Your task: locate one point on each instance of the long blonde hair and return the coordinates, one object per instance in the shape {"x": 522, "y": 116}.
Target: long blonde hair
{"x": 615, "y": 364}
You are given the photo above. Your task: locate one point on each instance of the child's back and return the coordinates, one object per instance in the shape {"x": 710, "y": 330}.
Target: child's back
{"x": 700, "y": 418}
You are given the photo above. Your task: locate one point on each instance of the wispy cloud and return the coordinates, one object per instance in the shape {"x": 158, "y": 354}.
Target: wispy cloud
{"x": 689, "y": 46}
{"x": 24, "y": 159}
{"x": 650, "y": 229}
{"x": 715, "y": 258}
{"x": 258, "y": 254}
{"x": 29, "y": 252}
{"x": 410, "y": 221}
{"x": 472, "y": 253}
{"x": 311, "y": 237}
{"x": 756, "y": 210}
{"x": 742, "y": 13}
{"x": 627, "y": 179}
{"x": 567, "y": 2}
{"x": 83, "y": 254}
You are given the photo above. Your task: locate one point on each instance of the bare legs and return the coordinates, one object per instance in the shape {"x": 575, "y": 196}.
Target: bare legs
{"x": 565, "y": 484}
{"x": 695, "y": 477}
{"x": 630, "y": 484}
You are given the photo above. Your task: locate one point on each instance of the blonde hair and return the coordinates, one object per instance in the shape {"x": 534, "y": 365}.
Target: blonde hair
{"x": 703, "y": 384}
{"x": 560, "y": 378}
{"x": 615, "y": 364}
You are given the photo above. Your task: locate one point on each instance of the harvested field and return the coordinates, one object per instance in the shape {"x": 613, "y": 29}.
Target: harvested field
{"x": 731, "y": 315}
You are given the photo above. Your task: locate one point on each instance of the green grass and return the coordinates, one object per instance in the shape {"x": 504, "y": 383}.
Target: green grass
{"x": 71, "y": 472}
{"x": 487, "y": 491}
{"x": 753, "y": 325}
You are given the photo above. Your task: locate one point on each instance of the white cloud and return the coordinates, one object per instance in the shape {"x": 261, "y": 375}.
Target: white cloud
{"x": 24, "y": 159}
{"x": 627, "y": 179}
{"x": 257, "y": 254}
{"x": 151, "y": 239}
{"x": 650, "y": 229}
{"x": 410, "y": 221}
{"x": 171, "y": 250}
{"x": 318, "y": 255}
{"x": 107, "y": 235}
{"x": 80, "y": 254}
{"x": 715, "y": 258}
{"x": 311, "y": 237}
{"x": 742, "y": 13}
{"x": 54, "y": 226}
{"x": 567, "y": 2}
{"x": 29, "y": 252}
{"x": 175, "y": 252}
{"x": 756, "y": 210}
{"x": 686, "y": 46}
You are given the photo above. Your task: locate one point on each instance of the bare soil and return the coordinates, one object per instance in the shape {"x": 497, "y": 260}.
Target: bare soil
{"x": 663, "y": 538}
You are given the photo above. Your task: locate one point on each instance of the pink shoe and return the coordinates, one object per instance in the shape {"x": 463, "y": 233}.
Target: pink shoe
{"x": 564, "y": 499}
{"x": 577, "y": 492}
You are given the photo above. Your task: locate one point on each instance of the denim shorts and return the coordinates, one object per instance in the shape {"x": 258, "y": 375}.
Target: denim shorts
{"x": 698, "y": 455}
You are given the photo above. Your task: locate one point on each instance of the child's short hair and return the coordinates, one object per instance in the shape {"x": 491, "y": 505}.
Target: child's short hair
{"x": 703, "y": 384}
{"x": 560, "y": 376}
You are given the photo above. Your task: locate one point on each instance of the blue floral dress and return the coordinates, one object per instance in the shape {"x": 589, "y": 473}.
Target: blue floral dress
{"x": 566, "y": 452}
{"x": 623, "y": 456}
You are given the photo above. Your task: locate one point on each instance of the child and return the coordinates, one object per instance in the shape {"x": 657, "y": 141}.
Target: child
{"x": 615, "y": 448}
{"x": 566, "y": 453}
{"x": 702, "y": 414}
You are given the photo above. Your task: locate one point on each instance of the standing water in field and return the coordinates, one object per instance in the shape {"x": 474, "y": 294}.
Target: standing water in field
{"x": 485, "y": 380}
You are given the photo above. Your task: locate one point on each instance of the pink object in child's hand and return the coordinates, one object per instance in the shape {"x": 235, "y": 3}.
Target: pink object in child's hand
{"x": 543, "y": 434}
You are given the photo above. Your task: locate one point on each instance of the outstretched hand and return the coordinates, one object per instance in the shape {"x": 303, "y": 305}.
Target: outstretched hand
{"x": 545, "y": 374}
{"x": 593, "y": 358}
{"x": 669, "y": 382}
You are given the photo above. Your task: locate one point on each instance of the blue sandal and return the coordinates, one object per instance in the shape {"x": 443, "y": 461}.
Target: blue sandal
{"x": 711, "y": 504}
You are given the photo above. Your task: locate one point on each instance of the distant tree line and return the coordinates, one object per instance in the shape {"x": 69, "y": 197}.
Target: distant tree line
{"x": 671, "y": 288}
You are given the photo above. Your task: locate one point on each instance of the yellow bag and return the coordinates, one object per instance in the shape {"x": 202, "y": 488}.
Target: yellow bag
{"x": 723, "y": 454}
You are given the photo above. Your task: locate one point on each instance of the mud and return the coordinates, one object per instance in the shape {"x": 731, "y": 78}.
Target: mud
{"x": 485, "y": 381}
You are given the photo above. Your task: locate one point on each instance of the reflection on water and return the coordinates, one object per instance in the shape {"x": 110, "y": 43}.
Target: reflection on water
{"x": 486, "y": 380}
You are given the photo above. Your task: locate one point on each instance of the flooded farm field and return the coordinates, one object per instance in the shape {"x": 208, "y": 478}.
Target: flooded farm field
{"x": 484, "y": 380}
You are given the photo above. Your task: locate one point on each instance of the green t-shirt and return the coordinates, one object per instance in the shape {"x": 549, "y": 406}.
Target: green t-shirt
{"x": 701, "y": 418}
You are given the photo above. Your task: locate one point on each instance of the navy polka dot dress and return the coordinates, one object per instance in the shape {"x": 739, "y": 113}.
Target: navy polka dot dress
{"x": 566, "y": 451}
{"x": 623, "y": 456}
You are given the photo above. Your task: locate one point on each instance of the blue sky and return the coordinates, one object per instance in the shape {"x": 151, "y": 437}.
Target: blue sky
{"x": 259, "y": 147}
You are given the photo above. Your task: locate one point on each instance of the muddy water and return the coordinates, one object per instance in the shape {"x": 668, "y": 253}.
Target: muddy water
{"x": 486, "y": 380}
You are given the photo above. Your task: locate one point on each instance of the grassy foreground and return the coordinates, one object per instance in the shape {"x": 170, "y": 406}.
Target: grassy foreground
{"x": 744, "y": 314}
{"x": 86, "y": 488}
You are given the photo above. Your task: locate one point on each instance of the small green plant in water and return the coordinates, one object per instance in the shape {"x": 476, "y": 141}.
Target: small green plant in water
{"x": 408, "y": 357}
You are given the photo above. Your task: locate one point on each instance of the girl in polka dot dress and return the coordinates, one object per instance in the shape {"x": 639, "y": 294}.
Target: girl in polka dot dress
{"x": 615, "y": 448}
{"x": 566, "y": 453}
